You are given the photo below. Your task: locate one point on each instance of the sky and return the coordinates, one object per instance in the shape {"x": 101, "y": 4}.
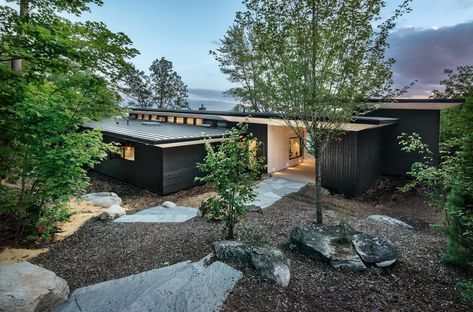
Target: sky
{"x": 437, "y": 34}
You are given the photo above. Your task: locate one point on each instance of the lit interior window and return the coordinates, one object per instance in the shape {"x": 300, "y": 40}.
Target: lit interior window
{"x": 154, "y": 117}
{"x": 198, "y": 121}
{"x": 140, "y": 116}
{"x": 162, "y": 118}
{"x": 170, "y": 119}
{"x": 180, "y": 120}
{"x": 295, "y": 149}
{"x": 128, "y": 153}
{"x": 145, "y": 117}
{"x": 190, "y": 120}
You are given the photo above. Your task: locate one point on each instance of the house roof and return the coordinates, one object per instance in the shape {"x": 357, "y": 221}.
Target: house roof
{"x": 419, "y": 104}
{"x": 152, "y": 132}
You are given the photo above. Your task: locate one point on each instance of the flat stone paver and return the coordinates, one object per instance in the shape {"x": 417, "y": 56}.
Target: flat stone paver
{"x": 160, "y": 215}
{"x": 273, "y": 189}
{"x": 184, "y": 286}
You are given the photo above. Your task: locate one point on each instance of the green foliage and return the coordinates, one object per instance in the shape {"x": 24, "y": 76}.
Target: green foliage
{"x": 467, "y": 290}
{"x": 315, "y": 62}
{"x": 450, "y": 185}
{"x": 232, "y": 168}
{"x": 163, "y": 87}
{"x": 344, "y": 231}
{"x": 214, "y": 208}
{"x": 56, "y": 75}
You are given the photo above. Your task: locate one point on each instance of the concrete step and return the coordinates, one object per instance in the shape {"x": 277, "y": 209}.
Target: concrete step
{"x": 160, "y": 215}
{"x": 184, "y": 286}
{"x": 204, "y": 290}
{"x": 118, "y": 294}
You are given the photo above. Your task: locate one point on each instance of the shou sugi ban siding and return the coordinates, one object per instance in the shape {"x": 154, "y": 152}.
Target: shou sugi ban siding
{"x": 351, "y": 163}
{"x": 339, "y": 165}
{"x": 145, "y": 171}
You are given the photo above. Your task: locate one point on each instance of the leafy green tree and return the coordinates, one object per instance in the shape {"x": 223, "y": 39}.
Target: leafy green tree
{"x": 238, "y": 61}
{"x": 55, "y": 76}
{"x": 169, "y": 90}
{"x": 137, "y": 88}
{"x": 232, "y": 168}
{"x": 318, "y": 62}
{"x": 450, "y": 185}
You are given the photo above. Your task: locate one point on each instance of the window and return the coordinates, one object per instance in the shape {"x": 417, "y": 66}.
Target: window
{"x": 128, "y": 153}
{"x": 190, "y": 121}
{"x": 295, "y": 147}
{"x": 180, "y": 120}
{"x": 140, "y": 116}
{"x": 154, "y": 117}
{"x": 171, "y": 119}
{"x": 198, "y": 121}
{"x": 162, "y": 118}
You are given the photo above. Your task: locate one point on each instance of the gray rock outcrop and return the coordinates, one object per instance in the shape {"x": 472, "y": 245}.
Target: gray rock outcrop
{"x": 363, "y": 252}
{"x": 270, "y": 262}
{"x": 372, "y": 249}
{"x": 168, "y": 204}
{"x": 103, "y": 199}
{"x": 389, "y": 220}
{"x": 113, "y": 212}
{"x": 28, "y": 287}
{"x": 320, "y": 243}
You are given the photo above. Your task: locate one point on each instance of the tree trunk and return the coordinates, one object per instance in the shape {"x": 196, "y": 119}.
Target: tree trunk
{"x": 318, "y": 187}
{"x": 17, "y": 64}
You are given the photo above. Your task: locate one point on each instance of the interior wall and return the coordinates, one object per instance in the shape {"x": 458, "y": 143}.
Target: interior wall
{"x": 278, "y": 148}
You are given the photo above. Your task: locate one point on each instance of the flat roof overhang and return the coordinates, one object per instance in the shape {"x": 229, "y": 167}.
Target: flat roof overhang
{"x": 155, "y": 133}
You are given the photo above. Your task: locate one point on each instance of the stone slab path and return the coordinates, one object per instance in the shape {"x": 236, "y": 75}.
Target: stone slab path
{"x": 160, "y": 215}
{"x": 273, "y": 189}
{"x": 184, "y": 286}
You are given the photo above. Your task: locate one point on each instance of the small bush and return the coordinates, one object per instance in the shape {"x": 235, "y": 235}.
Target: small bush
{"x": 344, "y": 231}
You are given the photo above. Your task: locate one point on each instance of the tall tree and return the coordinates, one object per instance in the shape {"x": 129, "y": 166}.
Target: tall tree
{"x": 238, "y": 60}
{"x": 169, "y": 90}
{"x": 320, "y": 62}
{"x": 56, "y": 75}
{"x": 137, "y": 89}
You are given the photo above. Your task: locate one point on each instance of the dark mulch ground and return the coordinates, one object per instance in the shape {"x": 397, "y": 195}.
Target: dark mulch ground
{"x": 101, "y": 251}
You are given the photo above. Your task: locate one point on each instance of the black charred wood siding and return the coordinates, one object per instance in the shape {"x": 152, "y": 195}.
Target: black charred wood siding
{"x": 339, "y": 165}
{"x": 424, "y": 122}
{"x": 369, "y": 155}
{"x": 146, "y": 171}
{"x": 351, "y": 163}
{"x": 180, "y": 168}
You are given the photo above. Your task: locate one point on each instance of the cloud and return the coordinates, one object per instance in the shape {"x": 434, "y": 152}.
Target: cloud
{"x": 464, "y": 4}
{"x": 423, "y": 54}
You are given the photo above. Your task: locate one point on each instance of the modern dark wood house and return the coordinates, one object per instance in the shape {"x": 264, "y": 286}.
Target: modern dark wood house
{"x": 160, "y": 148}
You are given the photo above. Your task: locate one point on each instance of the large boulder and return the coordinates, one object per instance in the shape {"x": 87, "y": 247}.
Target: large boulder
{"x": 269, "y": 261}
{"x": 113, "y": 212}
{"x": 27, "y": 287}
{"x": 103, "y": 199}
{"x": 388, "y": 220}
{"x": 321, "y": 244}
{"x": 374, "y": 250}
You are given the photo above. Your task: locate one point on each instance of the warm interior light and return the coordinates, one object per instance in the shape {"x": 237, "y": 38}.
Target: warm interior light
{"x": 128, "y": 153}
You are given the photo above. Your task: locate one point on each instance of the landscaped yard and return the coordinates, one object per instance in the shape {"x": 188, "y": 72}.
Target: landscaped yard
{"x": 419, "y": 281}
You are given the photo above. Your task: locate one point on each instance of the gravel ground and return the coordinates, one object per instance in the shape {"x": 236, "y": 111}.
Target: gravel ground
{"x": 101, "y": 251}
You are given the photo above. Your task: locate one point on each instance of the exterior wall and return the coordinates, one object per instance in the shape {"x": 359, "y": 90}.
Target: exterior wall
{"x": 424, "y": 122}
{"x": 352, "y": 163}
{"x": 278, "y": 148}
{"x": 179, "y": 165}
{"x": 339, "y": 165}
{"x": 146, "y": 171}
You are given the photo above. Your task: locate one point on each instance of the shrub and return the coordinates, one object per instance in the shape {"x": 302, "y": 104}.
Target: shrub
{"x": 232, "y": 168}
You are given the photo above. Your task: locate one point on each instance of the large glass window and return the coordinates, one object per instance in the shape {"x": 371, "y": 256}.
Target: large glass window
{"x": 198, "y": 121}
{"x": 171, "y": 119}
{"x": 190, "y": 120}
{"x": 180, "y": 120}
{"x": 295, "y": 147}
{"x": 128, "y": 153}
